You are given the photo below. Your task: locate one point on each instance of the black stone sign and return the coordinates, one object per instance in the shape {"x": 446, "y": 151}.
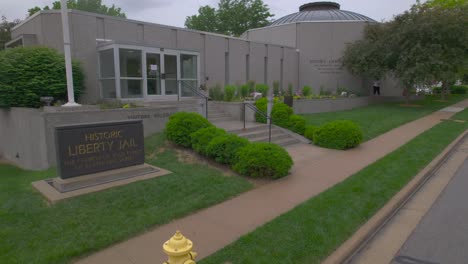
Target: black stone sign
{"x": 95, "y": 147}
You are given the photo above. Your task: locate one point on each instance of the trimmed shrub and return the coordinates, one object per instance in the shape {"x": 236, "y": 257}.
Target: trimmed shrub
{"x": 262, "y": 88}
{"x": 229, "y": 93}
{"x": 297, "y": 124}
{"x": 27, "y": 74}
{"x": 244, "y": 90}
{"x": 202, "y": 137}
{"x": 309, "y": 132}
{"x": 261, "y": 104}
{"x": 340, "y": 134}
{"x": 251, "y": 85}
{"x": 216, "y": 93}
{"x": 281, "y": 113}
{"x": 290, "y": 90}
{"x": 306, "y": 91}
{"x": 459, "y": 89}
{"x": 182, "y": 124}
{"x": 260, "y": 160}
{"x": 276, "y": 88}
{"x": 224, "y": 148}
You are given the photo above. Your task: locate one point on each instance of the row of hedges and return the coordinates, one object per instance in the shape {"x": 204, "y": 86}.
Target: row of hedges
{"x": 27, "y": 74}
{"x": 341, "y": 134}
{"x": 249, "y": 159}
{"x": 454, "y": 89}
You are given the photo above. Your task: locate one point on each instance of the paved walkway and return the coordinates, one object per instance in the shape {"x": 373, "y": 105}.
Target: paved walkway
{"x": 315, "y": 170}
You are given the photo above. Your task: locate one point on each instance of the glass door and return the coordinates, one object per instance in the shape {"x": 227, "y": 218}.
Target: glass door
{"x": 170, "y": 76}
{"x": 153, "y": 74}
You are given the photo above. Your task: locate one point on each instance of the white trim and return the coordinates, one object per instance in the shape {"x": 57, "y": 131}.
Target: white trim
{"x": 20, "y": 37}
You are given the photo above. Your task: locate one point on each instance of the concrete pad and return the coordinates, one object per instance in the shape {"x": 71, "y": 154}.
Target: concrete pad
{"x": 53, "y": 195}
{"x": 452, "y": 109}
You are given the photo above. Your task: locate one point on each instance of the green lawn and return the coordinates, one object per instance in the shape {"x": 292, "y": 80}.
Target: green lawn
{"x": 33, "y": 232}
{"x": 380, "y": 118}
{"x": 314, "y": 229}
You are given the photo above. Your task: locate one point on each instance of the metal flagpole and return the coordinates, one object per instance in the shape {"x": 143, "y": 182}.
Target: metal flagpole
{"x": 66, "y": 48}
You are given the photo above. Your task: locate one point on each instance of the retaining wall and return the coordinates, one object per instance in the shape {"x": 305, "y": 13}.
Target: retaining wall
{"x": 27, "y": 135}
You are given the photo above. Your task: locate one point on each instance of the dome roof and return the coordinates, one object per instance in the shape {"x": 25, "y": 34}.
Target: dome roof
{"x": 321, "y": 11}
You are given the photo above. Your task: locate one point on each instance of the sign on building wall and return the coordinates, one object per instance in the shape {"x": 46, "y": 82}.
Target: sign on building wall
{"x": 95, "y": 147}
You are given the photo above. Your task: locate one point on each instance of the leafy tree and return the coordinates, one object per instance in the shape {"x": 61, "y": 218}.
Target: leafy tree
{"x": 446, "y": 3}
{"x": 425, "y": 44}
{"x": 5, "y": 30}
{"x": 233, "y": 17}
{"x": 94, "y": 6}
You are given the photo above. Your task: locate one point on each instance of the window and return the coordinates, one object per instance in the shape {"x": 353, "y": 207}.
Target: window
{"x": 247, "y": 68}
{"x": 107, "y": 73}
{"x": 265, "y": 68}
{"x": 188, "y": 74}
{"x": 131, "y": 80}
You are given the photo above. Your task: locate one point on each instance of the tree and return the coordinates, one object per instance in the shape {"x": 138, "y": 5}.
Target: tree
{"x": 233, "y": 17}
{"x": 446, "y": 3}
{"x": 5, "y": 30}
{"x": 425, "y": 44}
{"x": 94, "y": 6}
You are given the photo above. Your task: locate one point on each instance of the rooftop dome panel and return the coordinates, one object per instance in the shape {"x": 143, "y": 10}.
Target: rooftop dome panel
{"x": 320, "y": 12}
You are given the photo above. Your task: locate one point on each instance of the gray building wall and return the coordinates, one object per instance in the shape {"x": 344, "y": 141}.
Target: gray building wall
{"x": 86, "y": 27}
{"x": 320, "y": 46}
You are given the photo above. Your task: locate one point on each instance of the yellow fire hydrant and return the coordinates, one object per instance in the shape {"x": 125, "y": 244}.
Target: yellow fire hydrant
{"x": 179, "y": 250}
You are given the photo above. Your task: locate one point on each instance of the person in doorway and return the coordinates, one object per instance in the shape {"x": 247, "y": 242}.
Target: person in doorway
{"x": 376, "y": 87}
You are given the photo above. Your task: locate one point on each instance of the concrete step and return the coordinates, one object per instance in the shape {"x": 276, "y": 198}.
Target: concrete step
{"x": 260, "y": 127}
{"x": 274, "y": 138}
{"x": 220, "y": 119}
{"x": 260, "y": 133}
{"x": 287, "y": 142}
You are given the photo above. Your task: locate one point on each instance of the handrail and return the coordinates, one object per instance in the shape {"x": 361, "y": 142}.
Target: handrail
{"x": 199, "y": 94}
{"x": 258, "y": 111}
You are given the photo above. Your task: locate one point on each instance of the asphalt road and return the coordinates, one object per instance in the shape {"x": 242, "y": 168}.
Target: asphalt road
{"x": 442, "y": 235}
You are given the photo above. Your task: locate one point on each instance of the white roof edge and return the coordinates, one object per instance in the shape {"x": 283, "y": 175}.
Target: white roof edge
{"x": 147, "y": 23}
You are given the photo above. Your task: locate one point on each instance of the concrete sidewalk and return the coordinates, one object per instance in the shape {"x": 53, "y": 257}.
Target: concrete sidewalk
{"x": 315, "y": 170}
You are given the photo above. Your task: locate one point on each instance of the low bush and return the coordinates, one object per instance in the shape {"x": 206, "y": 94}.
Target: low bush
{"x": 281, "y": 113}
{"x": 297, "y": 124}
{"x": 224, "y": 148}
{"x": 306, "y": 91}
{"x": 27, "y": 74}
{"x": 309, "y": 132}
{"x": 259, "y": 160}
{"x": 229, "y": 93}
{"x": 276, "y": 88}
{"x": 202, "y": 137}
{"x": 244, "y": 90}
{"x": 262, "y": 88}
{"x": 182, "y": 124}
{"x": 454, "y": 89}
{"x": 340, "y": 134}
{"x": 216, "y": 93}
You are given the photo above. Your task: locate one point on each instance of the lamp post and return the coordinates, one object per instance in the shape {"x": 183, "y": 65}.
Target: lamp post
{"x": 67, "y": 52}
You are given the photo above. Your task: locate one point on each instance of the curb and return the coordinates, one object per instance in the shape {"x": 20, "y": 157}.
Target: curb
{"x": 347, "y": 250}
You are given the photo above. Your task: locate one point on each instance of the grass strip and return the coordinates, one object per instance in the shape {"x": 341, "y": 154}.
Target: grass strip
{"x": 314, "y": 229}
{"x": 377, "y": 119}
{"x": 31, "y": 231}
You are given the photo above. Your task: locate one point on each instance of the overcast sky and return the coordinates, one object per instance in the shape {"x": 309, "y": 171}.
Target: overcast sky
{"x": 174, "y": 12}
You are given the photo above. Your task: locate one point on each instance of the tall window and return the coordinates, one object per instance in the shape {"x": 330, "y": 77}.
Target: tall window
{"x": 265, "y": 68}
{"x": 188, "y": 74}
{"x": 131, "y": 79}
{"x": 107, "y": 73}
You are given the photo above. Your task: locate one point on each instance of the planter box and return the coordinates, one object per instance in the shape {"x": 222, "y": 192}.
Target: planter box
{"x": 309, "y": 106}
